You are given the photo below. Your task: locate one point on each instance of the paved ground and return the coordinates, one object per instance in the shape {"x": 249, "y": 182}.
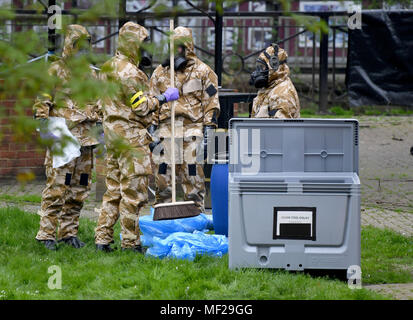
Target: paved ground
{"x": 386, "y": 165}
{"x": 386, "y": 173}
{"x": 401, "y": 222}
{"x": 399, "y": 291}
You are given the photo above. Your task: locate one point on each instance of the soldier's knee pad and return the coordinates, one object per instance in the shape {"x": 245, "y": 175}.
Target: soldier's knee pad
{"x": 162, "y": 168}
{"x": 192, "y": 169}
{"x": 68, "y": 179}
{"x": 84, "y": 179}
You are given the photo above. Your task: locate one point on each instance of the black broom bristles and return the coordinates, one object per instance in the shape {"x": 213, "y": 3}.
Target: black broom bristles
{"x": 175, "y": 210}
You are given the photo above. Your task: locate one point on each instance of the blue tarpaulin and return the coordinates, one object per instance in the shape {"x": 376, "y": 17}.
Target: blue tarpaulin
{"x": 181, "y": 238}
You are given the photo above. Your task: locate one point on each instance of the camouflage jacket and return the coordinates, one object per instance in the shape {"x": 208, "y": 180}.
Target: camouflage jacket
{"x": 279, "y": 99}
{"x": 198, "y": 104}
{"x": 80, "y": 120}
{"x": 130, "y": 113}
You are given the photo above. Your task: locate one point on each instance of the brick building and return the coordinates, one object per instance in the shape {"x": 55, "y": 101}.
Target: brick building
{"x": 245, "y": 35}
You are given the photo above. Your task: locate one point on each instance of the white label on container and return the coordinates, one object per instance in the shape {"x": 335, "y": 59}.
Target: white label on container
{"x": 289, "y": 217}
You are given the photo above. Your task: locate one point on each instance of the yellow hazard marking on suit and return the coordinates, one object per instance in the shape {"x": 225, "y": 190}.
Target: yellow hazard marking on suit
{"x": 47, "y": 96}
{"x": 135, "y": 103}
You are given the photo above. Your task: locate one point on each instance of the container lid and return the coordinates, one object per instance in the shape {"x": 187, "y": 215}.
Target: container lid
{"x": 293, "y": 145}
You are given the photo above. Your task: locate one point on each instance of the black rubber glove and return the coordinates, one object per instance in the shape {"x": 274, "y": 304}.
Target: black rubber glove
{"x": 161, "y": 98}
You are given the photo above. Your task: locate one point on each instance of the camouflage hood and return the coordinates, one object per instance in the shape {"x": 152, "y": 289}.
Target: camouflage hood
{"x": 131, "y": 35}
{"x": 276, "y": 76}
{"x": 74, "y": 32}
{"x": 183, "y": 36}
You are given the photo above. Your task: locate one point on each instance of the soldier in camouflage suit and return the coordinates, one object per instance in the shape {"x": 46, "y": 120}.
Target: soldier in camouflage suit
{"x": 278, "y": 98}
{"x": 68, "y": 186}
{"x": 126, "y": 118}
{"x": 196, "y": 110}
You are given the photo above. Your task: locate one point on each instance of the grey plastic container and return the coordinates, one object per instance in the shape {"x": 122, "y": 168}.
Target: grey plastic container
{"x": 296, "y": 203}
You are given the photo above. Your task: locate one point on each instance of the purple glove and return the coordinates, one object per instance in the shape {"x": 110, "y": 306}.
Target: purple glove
{"x": 171, "y": 94}
{"x": 48, "y": 136}
{"x": 45, "y": 134}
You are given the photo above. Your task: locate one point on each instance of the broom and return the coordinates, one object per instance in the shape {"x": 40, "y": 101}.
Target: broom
{"x": 182, "y": 209}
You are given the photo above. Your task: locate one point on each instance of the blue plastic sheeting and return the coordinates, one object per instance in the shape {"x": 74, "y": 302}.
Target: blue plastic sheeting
{"x": 181, "y": 238}
{"x": 164, "y": 228}
{"x": 183, "y": 245}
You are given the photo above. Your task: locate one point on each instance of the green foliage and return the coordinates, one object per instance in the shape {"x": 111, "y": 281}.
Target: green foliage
{"x": 400, "y": 112}
{"x": 383, "y": 110}
{"x": 371, "y": 111}
{"x": 100, "y": 8}
{"x": 87, "y": 274}
{"x": 339, "y": 111}
{"x": 307, "y": 112}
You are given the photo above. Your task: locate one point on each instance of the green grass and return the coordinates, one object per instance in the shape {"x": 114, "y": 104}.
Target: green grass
{"x": 34, "y": 198}
{"x": 387, "y": 256}
{"x": 339, "y": 111}
{"x": 124, "y": 275}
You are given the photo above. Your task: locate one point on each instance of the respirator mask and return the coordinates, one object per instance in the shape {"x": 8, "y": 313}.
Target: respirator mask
{"x": 82, "y": 47}
{"x": 259, "y": 77}
{"x": 180, "y": 61}
{"x": 145, "y": 57}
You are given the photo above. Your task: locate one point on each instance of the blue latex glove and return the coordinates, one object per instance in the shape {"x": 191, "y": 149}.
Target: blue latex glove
{"x": 171, "y": 94}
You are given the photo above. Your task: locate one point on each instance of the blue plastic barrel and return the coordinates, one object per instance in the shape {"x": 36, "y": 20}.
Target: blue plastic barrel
{"x": 219, "y": 196}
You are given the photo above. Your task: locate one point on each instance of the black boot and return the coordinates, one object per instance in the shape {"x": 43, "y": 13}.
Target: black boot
{"x": 104, "y": 248}
{"x": 49, "y": 244}
{"x": 137, "y": 249}
{"x": 73, "y": 241}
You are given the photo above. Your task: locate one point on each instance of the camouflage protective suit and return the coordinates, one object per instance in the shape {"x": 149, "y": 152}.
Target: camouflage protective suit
{"x": 126, "y": 119}
{"x": 279, "y": 99}
{"x": 197, "y": 107}
{"x": 68, "y": 186}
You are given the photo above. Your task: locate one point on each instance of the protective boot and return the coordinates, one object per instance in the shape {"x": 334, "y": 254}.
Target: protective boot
{"x": 137, "y": 249}
{"x": 49, "y": 244}
{"x": 73, "y": 241}
{"x": 104, "y": 248}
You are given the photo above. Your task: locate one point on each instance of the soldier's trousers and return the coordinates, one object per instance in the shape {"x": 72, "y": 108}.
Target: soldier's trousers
{"x": 66, "y": 189}
{"x": 126, "y": 194}
{"x": 192, "y": 178}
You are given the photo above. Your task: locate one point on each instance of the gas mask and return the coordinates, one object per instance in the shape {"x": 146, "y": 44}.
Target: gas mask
{"x": 82, "y": 47}
{"x": 259, "y": 77}
{"x": 180, "y": 61}
{"x": 145, "y": 59}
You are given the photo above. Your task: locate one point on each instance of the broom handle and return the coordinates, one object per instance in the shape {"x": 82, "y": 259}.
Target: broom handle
{"x": 172, "y": 72}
